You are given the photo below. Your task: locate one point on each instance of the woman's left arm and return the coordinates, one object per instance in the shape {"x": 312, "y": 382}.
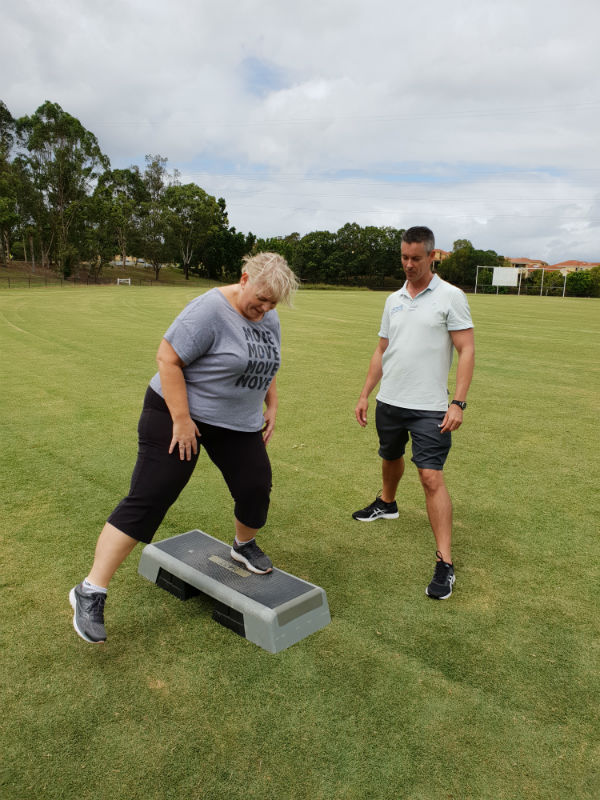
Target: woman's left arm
{"x": 270, "y": 413}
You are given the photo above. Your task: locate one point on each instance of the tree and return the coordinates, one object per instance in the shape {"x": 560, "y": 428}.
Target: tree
{"x": 119, "y": 196}
{"x": 223, "y": 252}
{"x": 382, "y": 246}
{"x": 9, "y": 217}
{"x": 192, "y": 216}
{"x": 34, "y": 218}
{"x": 154, "y": 219}
{"x": 95, "y": 236}
{"x": 313, "y": 254}
{"x": 585, "y": 283}
{"x": 545, "y": 281}
{"x": 461, "y": 265}
{"x": 286, "y": 246}
{"x": 350, "y": 257}
{"x": 595, "y": 273}
{"x": 63, "y": 160}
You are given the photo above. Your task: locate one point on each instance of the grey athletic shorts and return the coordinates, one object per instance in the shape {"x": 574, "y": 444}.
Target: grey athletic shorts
{"x": 430, "y": 448}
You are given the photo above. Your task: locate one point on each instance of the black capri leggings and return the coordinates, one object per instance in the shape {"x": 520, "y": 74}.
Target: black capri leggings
{"x": 159, "y": 477}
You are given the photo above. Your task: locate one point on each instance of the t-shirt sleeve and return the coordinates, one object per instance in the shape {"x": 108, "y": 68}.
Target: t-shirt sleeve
{"x": 459, "y": 313}
{"x": 384, "y": 328}
{"x": 192, "y": 333}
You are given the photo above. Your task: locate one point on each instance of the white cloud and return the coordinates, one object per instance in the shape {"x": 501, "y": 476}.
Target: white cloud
{"x": 311, "y": 116}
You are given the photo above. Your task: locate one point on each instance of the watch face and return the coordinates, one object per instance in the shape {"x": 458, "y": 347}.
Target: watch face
{"x": 460, "y": 403}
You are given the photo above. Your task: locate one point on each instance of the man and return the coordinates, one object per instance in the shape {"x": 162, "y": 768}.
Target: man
{"x": 421, "y": 325}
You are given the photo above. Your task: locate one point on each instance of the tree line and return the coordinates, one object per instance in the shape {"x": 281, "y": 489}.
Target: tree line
{"x": 62, "y": 205}
{"x": 370, "y": 256}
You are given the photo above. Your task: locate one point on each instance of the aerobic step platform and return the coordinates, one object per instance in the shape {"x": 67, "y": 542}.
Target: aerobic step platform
{"x": 274, "y": 610}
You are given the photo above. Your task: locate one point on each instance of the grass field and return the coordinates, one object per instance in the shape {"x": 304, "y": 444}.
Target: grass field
{"x": 493, "y": 694}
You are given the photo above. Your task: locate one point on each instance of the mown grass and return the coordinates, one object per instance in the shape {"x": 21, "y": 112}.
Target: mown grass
{"x": 493, "y": 694}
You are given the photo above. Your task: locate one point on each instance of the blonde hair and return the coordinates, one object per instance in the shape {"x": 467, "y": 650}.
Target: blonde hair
{"x": 271, "y": 272}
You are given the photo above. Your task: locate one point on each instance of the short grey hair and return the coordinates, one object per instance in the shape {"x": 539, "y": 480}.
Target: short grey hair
{"x": 420, "y": 235}
{"x": 270, "y": 271}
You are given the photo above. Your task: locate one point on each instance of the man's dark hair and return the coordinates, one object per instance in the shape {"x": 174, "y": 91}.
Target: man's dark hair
{"x": 420, "y": 234}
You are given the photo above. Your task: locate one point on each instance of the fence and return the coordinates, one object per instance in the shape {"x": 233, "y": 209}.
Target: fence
{"x": 23, "y": 282}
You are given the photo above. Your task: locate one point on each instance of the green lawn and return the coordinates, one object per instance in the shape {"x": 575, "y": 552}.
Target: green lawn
{"x": 493, "y": 694}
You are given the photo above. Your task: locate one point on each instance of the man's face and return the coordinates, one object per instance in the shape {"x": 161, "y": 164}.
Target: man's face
{"x": 416, "y": 262}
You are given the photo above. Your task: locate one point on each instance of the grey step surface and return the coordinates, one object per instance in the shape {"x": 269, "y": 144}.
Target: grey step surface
{"x": 274, "y": 610}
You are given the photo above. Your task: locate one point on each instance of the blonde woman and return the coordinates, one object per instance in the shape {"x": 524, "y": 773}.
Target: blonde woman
{"x": 215, "y": 387}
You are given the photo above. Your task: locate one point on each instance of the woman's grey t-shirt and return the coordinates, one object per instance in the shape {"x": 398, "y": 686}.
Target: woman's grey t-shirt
{"x": 229, "y": 360}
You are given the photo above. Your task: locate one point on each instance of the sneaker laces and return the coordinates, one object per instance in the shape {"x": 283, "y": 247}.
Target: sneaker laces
{"x": 441, "y": 567}
{"x": 441, "y": 570}
{"x": 250, "y": 547}
{"x": 96, "y": 607}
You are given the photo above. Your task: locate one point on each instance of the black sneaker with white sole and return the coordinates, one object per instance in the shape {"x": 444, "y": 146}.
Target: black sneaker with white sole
{"x": 88, "y": 619}
{"x": 442, "y": 582}
{"x": 377, "y": 510}
{"x": 252, "y": 557}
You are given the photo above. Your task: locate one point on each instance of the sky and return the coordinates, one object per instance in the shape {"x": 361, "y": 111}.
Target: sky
{"x": 479, "y": 119}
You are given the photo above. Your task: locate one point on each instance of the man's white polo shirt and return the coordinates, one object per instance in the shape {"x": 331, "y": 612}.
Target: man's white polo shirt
{"x": 418, "y": 357}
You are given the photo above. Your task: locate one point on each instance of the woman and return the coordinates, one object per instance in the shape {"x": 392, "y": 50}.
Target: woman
{"x": 216, "y": 370}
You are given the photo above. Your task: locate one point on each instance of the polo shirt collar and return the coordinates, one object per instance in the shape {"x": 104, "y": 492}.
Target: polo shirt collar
{"x": 430, "y": 286}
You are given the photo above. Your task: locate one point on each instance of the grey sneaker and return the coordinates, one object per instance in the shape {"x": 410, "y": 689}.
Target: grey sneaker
{"x": 442, "y": 582}
{"x": 88, "y": 619}
{"x": 377, "y": 510}
{"x": 252, "y": 557}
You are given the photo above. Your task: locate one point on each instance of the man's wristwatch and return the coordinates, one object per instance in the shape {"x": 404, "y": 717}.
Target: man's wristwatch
{"x": 461, "y": 403}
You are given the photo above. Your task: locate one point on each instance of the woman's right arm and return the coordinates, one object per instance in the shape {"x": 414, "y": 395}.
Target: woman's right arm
{"x": 172, "y": 381}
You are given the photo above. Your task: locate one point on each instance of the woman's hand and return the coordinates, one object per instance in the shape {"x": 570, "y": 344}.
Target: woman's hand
{"x": 172, "y": 380}
{"x": 267, "y": 431}
{"x": 270, "y": 411}
{"x": 185, "y": 438}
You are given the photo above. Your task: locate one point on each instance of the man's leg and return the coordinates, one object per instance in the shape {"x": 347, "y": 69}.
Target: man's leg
{"x": 439, "y": 510}
{"x": 391, "y": 473}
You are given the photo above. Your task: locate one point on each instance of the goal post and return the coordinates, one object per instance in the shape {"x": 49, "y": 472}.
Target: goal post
{"x": 530, "y": 280}
{"x": 125, "y": 281}
{"x": 501, "y": 276}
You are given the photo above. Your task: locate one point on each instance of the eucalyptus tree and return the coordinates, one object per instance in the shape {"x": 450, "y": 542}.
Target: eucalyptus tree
{"x": 9, "y": 217}
{"x": 193, "y": 217}
{"x": 119, "y": 197}
{"x": 63, "y": 160}
{"x": 154, "y": 217}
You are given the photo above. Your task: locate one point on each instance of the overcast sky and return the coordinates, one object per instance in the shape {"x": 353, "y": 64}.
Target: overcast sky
{"x": 478, "y": 118}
